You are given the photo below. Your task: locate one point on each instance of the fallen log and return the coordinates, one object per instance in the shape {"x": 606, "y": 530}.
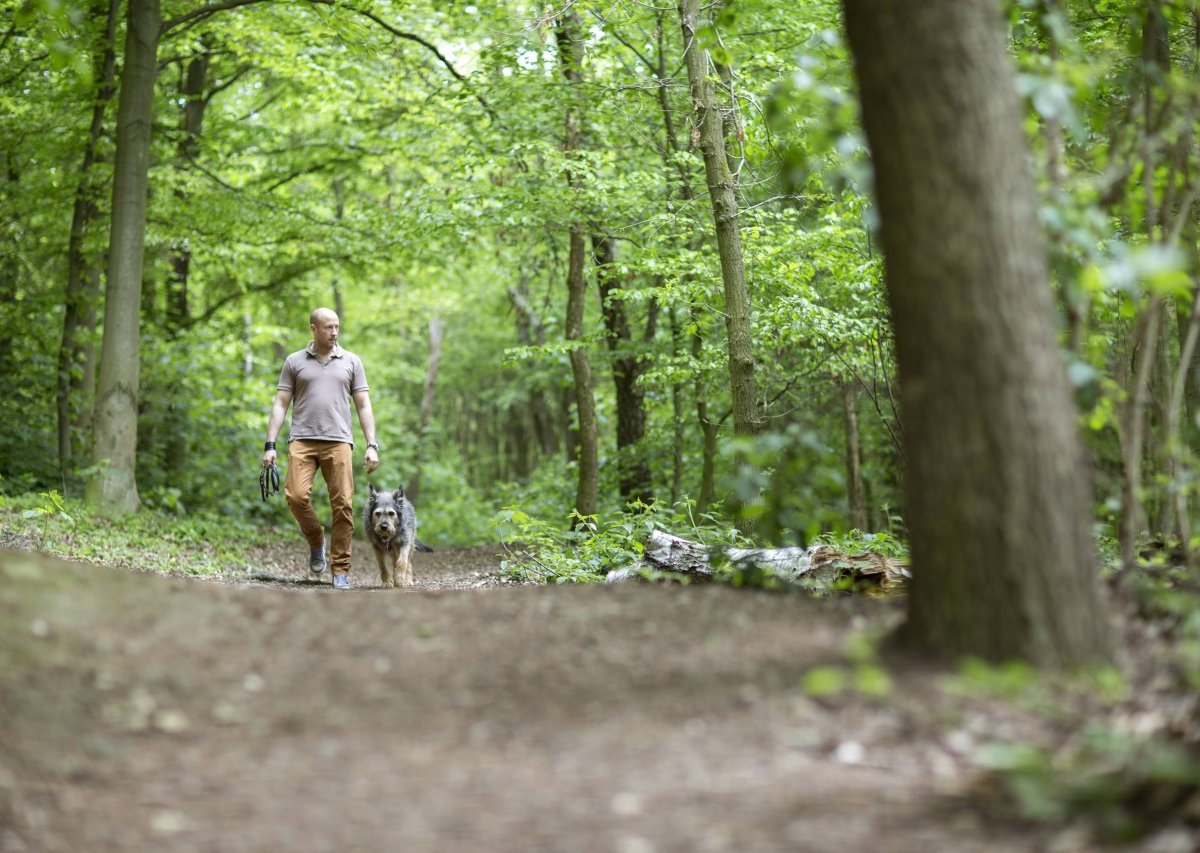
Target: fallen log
{"x": 821, "y": 565}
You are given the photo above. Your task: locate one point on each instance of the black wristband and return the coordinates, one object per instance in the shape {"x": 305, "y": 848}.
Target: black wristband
{"x": 270, "y": 445}
{"x": 373, "y": 444}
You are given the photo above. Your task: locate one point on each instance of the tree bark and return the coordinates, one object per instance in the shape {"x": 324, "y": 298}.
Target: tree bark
{"x": 79, "y": 293}
{"x": 114, "y": 487}
{"x": 633, "y": 475}
{"x": 709, "y": 134}
{"x": 854, "y": 482}
{"x": 570, "y": 48}
{"x": 192, "y": 91}
{"x": 997, "y": 487}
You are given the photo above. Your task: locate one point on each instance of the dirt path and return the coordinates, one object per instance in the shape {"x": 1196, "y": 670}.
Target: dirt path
{"x": 266, "y": 712}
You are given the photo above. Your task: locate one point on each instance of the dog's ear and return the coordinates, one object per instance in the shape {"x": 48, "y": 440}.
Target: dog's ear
{"x": 400, "y": 492}
{"x": 371, "y": 489}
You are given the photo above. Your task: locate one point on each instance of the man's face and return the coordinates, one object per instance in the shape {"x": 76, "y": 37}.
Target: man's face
{"x": 325, "y": 332}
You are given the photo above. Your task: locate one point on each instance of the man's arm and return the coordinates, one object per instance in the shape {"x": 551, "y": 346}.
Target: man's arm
{"x": 278, "y": 411}
{"x": 366, "y": 420}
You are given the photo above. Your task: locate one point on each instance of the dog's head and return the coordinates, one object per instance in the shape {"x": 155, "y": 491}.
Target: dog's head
{"x": 383, "y": 511}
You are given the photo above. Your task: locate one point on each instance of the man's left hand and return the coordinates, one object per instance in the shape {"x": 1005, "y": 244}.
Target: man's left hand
{"x": 371, "y": 459}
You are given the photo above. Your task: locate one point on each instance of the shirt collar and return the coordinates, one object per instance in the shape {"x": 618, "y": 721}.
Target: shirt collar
{"x": 337, "y": 350}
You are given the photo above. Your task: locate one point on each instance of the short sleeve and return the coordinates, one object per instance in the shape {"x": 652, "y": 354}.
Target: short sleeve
{"x": 287, "y": 376}
{"x": 358, "y": 382}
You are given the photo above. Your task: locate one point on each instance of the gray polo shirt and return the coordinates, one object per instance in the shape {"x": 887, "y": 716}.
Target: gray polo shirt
{"x": 321, "y": 393}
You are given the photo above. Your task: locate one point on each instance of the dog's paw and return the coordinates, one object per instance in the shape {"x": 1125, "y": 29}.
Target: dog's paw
{"x": 389, "y": 583}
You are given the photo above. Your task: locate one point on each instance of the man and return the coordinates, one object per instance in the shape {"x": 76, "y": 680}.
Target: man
{"x": 321, "y": 379}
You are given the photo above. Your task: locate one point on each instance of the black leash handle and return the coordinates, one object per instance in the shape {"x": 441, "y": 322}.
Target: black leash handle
{"x": 268, "y": 480}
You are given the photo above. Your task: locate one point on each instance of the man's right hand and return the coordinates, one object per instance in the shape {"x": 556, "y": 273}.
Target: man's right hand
{"x": 268, "y": 458}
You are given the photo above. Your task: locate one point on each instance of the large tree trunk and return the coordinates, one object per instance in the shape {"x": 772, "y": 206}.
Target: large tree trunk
{"x": 710, "y": 131}
{"x": 79, "y": 293}
{"x": 997, "y": 483}
{"x": 570, "y": 48}
{"x": 114, "y": 487}
{"x": 633, "y": 473}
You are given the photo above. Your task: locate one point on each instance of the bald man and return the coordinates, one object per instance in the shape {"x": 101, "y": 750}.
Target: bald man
{"x": 321, "y": 380}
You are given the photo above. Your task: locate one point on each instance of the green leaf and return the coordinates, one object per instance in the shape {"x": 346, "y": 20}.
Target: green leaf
{"x": 824, "y": 681}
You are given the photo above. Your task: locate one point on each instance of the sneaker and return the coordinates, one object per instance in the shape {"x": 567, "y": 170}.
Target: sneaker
{"x": 341, "y": 582}
{"x": 316, "y": 560}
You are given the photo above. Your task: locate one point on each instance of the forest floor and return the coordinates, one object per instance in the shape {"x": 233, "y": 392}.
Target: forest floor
{"x": 260, "y": 710}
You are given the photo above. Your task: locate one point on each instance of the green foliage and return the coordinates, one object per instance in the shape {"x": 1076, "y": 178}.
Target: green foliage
{"x": 1170, "y": 596}
{"x": 862, "y": 675}
{"x": 585, "y": 549}
{"x": 1127, "y": 784}
{"x": 853, "y": 541}
{"x": 146, "y": 541}
{"x": 54, "y": 505}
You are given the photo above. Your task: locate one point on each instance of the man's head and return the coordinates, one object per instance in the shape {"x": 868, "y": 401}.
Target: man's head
{"x": 325, "y": 328}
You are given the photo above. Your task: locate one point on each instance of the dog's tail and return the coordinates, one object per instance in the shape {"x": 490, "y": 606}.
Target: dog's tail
{"x": 421, "y": 546}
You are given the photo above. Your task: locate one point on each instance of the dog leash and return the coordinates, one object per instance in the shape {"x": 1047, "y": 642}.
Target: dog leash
{"x": 268, "y": 480}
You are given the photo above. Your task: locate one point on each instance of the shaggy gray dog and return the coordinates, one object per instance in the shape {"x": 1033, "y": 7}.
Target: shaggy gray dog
{"x": 391, "y": 526}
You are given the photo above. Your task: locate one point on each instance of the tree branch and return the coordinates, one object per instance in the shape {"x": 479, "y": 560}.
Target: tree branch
{"x": 205, "y": 12}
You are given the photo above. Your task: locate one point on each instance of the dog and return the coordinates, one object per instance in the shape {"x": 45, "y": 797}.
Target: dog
{"x": 391, "y": 524}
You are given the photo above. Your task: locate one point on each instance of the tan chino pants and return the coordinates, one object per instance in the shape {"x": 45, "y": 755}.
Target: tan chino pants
{"x": 335, "y": 459}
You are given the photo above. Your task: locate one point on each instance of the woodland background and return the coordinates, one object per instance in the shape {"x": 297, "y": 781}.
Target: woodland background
{"x": 615, "y": 266}
{"x": 426, "y": 169}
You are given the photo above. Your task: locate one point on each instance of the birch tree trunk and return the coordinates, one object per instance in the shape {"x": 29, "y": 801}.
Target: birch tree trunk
{"x": 997, "y": 487}
{"x": 114, "y": 487}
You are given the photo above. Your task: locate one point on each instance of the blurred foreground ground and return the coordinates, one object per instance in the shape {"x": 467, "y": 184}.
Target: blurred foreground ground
{"x": 264, "y": 712}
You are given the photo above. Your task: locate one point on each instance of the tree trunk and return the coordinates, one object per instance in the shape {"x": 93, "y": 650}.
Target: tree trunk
{"x": 708, "y": 432}
{"x": 76, "y": 303}
{"x": 1155, "y": 62}
{"x": 854, "y": 483}
{"x": 114, "y": 487}
{"x": 436, "y": 331}
{"x": 191, "y": 90}
{"x": 570, "y": 49}
{"x": 532, "y": 332}
{"x": 633, "y": 473}
{"x": 709, "y": 132}
{"x": 997, "y": 487}
{"x": 676, "y": 414}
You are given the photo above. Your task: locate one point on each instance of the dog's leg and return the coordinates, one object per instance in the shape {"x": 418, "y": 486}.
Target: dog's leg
{"x": 385, "y": 569}
{"x": 406, "y": 561}
{"x": 401, "y": 570}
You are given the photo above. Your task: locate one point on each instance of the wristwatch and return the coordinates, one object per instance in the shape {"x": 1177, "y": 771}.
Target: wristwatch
{"x": 373, "y": 444}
